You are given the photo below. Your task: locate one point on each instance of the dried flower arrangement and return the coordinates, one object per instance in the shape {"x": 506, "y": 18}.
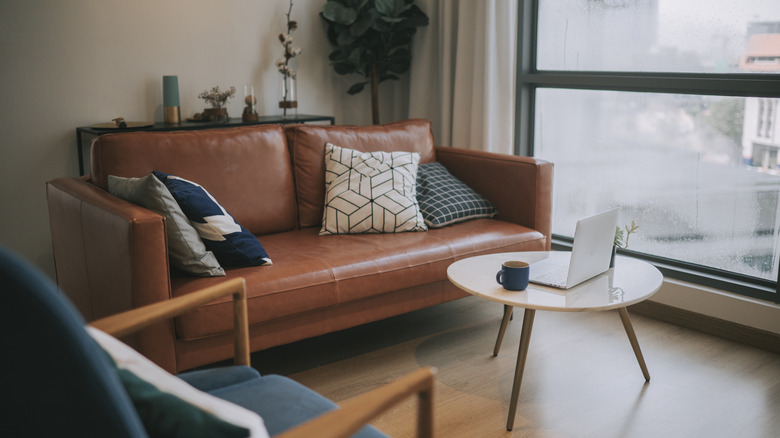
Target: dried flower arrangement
{"x": 216, "y": 98}
{"x": 283, "y": 64}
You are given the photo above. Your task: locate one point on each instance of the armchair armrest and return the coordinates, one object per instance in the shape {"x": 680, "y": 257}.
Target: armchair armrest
{"x": 131, "y": 321}
{"x": 520, "y": 187}
{"x": 354, "y": 413}
{"x": 358, "y": 411}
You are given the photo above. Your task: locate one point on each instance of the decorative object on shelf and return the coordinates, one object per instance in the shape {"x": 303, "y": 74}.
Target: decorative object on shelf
{"x": 120, "y": 123}
{"x": 217, "y": 100}
{"x": 621, "y": 239}
{"x": 250, "y": 104}
{"x": 171, "y": 109}
{"x": 288, "y": 105}
{"x": 372, "y": 40}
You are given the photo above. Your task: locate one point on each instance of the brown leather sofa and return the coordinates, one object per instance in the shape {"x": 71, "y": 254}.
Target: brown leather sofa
{"x": 111, "y": 255}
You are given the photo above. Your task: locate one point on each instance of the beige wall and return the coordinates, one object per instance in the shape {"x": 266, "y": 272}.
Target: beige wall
{"x": 73, "y": 63}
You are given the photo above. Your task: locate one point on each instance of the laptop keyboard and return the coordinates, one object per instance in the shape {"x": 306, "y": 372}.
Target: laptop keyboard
{"x": 556, "y": 276}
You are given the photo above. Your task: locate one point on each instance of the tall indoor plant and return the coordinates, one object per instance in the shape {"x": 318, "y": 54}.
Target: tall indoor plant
{"x": 372, "y": 38}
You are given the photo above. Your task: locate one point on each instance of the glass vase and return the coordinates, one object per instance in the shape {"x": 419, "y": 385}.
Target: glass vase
{"x": 288, "y": 101}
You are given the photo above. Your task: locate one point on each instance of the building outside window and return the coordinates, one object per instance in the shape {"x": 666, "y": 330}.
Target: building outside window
{"x": 667, "y": 109}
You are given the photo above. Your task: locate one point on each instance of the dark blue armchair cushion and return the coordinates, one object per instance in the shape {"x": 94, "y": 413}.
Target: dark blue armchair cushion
{"x": 284, "y": 403}
{"x": 165, "y": 415}
{"x": 169, "y": 406}
{"x": 231, "y": 243}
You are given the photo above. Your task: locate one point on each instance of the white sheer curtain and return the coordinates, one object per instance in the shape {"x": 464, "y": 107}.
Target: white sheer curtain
{"x": 463, "y": 72}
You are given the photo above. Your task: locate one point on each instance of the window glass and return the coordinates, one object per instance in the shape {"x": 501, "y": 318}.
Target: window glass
{"x": 698, "y": 174}
{"x": 694, "y": 36}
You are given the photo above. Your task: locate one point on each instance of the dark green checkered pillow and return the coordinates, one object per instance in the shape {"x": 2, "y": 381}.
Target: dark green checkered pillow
{"x": 445, "y": 200}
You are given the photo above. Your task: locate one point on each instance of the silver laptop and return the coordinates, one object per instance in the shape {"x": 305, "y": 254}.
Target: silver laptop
{"x": 590, "y": 253}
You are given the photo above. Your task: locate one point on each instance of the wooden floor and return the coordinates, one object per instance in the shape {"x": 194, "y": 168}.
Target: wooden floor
{"x": 581, "y": 378}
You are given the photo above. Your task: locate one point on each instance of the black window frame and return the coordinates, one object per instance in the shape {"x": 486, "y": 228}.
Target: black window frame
{"x": 529, "y": 79}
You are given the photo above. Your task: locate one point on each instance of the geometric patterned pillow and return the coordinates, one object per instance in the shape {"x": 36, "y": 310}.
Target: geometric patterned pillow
{"x": 370, "y": 192}
{"x": 446, "y": 200}
{"x": 231, "y": 243}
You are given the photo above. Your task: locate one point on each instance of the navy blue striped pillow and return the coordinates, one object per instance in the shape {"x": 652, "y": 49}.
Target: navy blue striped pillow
{"x": 231, "y": 243}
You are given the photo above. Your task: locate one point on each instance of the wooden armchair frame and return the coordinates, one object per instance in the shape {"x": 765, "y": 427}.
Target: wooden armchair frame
{"x": 341, "y": 423}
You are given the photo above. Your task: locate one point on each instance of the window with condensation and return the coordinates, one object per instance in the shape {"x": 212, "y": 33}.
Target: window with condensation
{"x": 682, "y": 140}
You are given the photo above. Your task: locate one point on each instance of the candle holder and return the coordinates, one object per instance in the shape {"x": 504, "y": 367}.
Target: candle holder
{"x": 171, "y": 109}
{"x": 250, "y": 104}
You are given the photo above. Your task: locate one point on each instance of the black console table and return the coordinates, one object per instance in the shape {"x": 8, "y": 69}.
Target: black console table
{"x": 262, "y": 120}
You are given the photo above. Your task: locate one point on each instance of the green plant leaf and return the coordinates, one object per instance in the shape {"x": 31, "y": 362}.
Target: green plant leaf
{"x": 393, "y": 19}
{"x": 417, "y": 20}
{"x": 357, "y": 88}
{"x": 355, "y": 55}
{"x": 337, "y": 55}
{"x": 400, "y": 7}
{"x": 400, "y": 39}
{"x": 345, "y": 38}
{"x": 378, "y": 24}
{"x": 618, "y": 237}
{"x": 360, "y": 26}
{"x": 385, "y": 7}
{"x": 336, "y": 12}
{"x": 400, "y": 65}
{"x": 344, "y": 68}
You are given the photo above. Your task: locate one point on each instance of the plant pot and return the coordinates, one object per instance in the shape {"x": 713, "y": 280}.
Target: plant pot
{"x": 215, "y": 114}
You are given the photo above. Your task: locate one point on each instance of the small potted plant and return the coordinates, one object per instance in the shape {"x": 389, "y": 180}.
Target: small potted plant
{"x": 217, "y": 99}
{"x": 621, "y": 239}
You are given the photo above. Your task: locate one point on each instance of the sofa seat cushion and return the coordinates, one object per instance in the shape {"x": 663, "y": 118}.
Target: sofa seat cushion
{"x": 282, "y": 403}
{"x": 311, "y": 272}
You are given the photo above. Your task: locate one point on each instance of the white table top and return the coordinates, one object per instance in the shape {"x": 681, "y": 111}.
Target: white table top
{"x": 629, "y": 282}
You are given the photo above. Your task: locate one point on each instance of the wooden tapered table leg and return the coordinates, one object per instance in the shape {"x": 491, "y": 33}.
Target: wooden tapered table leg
{"x": 502, "y": 330}
{"x": 522, "y": 354}
{"x": 623, "y": 312}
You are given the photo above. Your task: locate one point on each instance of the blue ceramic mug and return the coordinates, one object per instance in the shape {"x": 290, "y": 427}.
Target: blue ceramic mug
{"x": 514, "y": 275}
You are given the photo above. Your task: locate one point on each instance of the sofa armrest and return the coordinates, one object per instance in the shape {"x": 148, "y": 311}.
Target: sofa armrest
{"x": 520, "y": 187}
{"x": 358, "y": 411}
{"x": 131, "y": 321}
{"x": 110, "y": 256}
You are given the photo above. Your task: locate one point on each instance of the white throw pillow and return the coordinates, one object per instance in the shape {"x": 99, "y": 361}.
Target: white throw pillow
{"x": 370, "y": 192}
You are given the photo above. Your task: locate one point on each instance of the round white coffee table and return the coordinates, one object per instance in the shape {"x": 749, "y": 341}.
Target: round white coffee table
{"x": 629, "y": 282}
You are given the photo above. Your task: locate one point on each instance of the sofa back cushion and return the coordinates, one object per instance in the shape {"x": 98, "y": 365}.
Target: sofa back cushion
{"x": 307, "y": 147}
{"x": 246, "y": 169}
